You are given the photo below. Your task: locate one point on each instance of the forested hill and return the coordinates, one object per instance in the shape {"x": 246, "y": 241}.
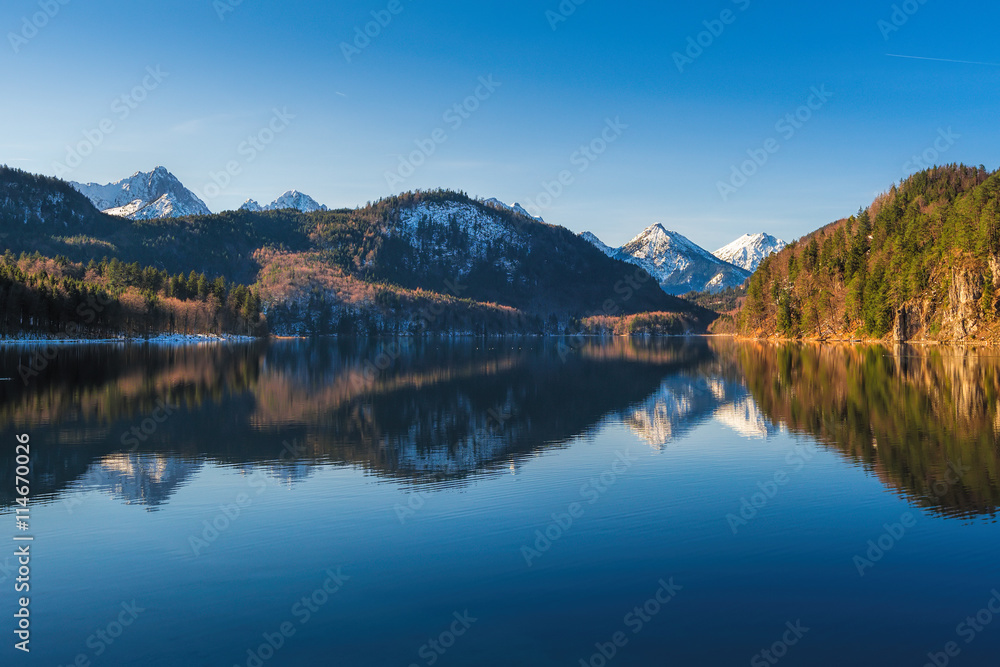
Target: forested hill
{"x": 922, "y": 262}
{"x": 476, "y": 266}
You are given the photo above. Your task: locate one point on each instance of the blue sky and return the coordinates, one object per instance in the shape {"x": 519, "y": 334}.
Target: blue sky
{"x": 225, "y": 67}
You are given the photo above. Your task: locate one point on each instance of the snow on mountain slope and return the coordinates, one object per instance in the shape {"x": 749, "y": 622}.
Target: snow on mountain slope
{"x": 291, "y": 199}
{"x": 144, "y": 196}
{"x": 516, "y": 208}
{"x": 748, "y": 251}
{"x": 679, "y": 265}
{"x": 592, "y": 239}
{"x": 297, "y": 200}
{"x": 482, "y": 229}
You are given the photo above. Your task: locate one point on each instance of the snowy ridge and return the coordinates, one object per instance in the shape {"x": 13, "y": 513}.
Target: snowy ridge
{"x": 590, "y": 238}
{"x": 748, "y": 251}
{"x": 679, "y": 265}
{"x": 516, "y": 208}
{"x": 144, "y": 196}
{"x": 292, "y": 199}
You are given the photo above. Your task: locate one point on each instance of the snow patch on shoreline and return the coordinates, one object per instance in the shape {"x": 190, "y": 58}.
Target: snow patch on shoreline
{"x": 160, "y": 339}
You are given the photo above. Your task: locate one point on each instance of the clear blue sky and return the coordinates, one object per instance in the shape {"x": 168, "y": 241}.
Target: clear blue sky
{"x": 353, "y": 120}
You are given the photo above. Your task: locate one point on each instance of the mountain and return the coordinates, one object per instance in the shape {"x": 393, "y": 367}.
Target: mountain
{"x": 748, "y": 251}
{"x": 679, "y": 265}
{"x": 32, "y": 205}
{"x": 436, "y": 240}
{"x": 921, "y": 262}
{"x": 293, "y": 199}
{"x": 144, "y": 196}
{"x": 426, "y": 261}
{"x": 592, "y": 239}
{"x": 516, "y": 208}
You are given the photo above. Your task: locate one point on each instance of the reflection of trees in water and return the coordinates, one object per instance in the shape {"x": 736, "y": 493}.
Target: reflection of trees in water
{"x": 908, "y": 414}
{"x": 433, "y": 410}
{"x": 441, "y": 411}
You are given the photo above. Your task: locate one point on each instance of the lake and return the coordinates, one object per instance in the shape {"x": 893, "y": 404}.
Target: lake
{"x": 689, "y": 501}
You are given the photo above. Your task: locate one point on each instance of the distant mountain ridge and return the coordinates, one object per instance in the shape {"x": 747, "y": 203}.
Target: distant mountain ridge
{"x": 292, "y": 199}
{"x": 424, "y": 261}
{"x": 159, "y": 194}
{"x": 144, "y": 196}
{"x": 516, "y": 208}
{"x": 678, "y": 264}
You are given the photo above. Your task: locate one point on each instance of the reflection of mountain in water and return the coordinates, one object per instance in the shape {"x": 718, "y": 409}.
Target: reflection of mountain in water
{"x": 683, "y": 402}
{"x": 138, "y": 479}
{"x": 743, "y": 416}
{"x": 435, "y": 411}
{"x": 432, "y": 411}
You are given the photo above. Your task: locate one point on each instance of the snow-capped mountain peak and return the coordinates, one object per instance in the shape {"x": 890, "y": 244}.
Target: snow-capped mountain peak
{"x": 144, "y": 196}
{"x": 656, "y": 240}
{"x": 292, "y": 199}
{"x": 297, "y": 200}
{"x": 516, "y": 208}
{"x": 748, "y": 251}
{"x": 678, "y": 264}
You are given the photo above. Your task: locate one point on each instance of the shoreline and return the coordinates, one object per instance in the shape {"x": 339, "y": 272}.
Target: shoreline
{"x": 205, "y": 339}
{"x": 159, "y": 339}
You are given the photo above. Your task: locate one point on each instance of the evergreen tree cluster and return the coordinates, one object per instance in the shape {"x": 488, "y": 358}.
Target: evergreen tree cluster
{"x": 853, "y": 276}
{"x": 109, "y": 298}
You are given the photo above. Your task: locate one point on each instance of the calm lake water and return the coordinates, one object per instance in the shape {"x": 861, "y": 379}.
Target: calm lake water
{"x": 520, "y": 502}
